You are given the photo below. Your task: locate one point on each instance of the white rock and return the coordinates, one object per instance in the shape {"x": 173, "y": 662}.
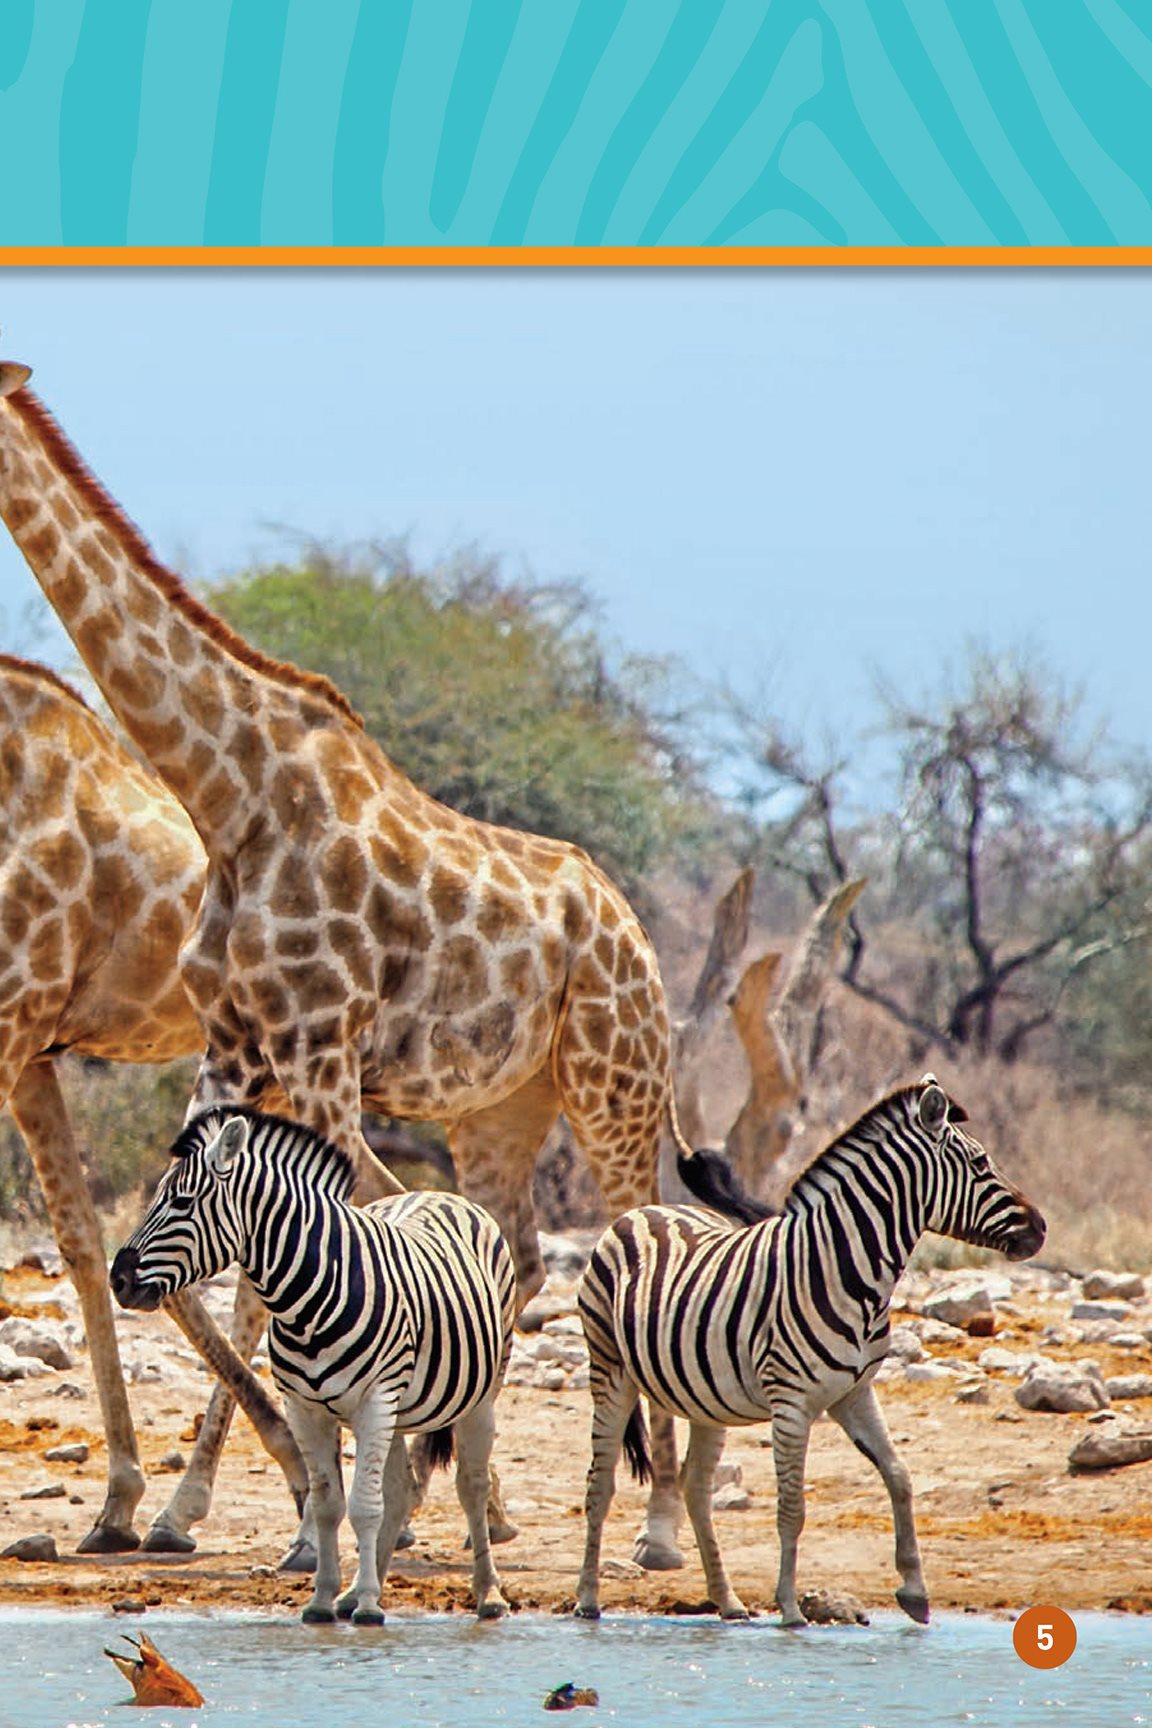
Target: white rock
{"x": 1101, "y": 1310}
{"x": 42, "y": 1338}
{"x": 731, "y": 1498}
{"x": 564, "y": 1326}
{"x": 1063, "y": 1387}
{"x": 959, "y": 1304}
{"x": 1122, "y": 1286}
{"x": 928, "y": 1371}
{"x": 904, "y": 1345}
{"x": 997, "y": 1360}
{"x": 1129, "y": 1385}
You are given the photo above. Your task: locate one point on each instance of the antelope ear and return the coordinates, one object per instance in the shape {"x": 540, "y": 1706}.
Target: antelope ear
{"x": 232, "y": 1138}
{"x": 12, "y": 376}
{"x": 933, "y": 1106}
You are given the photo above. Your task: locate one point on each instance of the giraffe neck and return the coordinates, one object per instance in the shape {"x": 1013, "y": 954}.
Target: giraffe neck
{"x": 193, "y": 696}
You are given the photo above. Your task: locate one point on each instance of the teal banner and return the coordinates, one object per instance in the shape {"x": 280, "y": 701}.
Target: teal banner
{"x": 576, "y": 122}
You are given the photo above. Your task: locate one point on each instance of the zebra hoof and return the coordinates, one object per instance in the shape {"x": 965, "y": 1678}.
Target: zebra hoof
{"x": 319, "y": 1617}
{"x": 106, "y": 1539}
{"x": 406, "y": 1538}
{"x": 494, "y": 1609}
{"x": 161, "y": 1539}
{"x": 739, "y": 1612}
{"x": 368, "y": 1617}
{"x": 301, "y": 1557}
{"x": 656, "y": 1556}
{"x": 914, "y": 1605}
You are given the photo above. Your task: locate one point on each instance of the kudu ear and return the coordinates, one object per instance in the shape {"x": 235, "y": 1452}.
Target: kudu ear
{"x": 933, "y": 1107}
{"x": 12, "y": 376}
{"x": 231, "y": 1140}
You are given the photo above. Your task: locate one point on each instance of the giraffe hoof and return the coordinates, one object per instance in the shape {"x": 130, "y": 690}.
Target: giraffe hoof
{"x": 496, "y": 1533}
{"x": 301, "y": 1557}
{"x": 406, "y": 1538}
{"x": 107, "y": 1539}
{"x": 587, "y": 1611}
{"x": 914, "y": 1605}
{"x": 656, "y": 1556}
{"x": 161, "y": 1539}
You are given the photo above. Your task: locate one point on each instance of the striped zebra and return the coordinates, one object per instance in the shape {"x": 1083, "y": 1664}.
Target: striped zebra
{"x": 781, "y": 1317}
{"x": 392, "y": 1319}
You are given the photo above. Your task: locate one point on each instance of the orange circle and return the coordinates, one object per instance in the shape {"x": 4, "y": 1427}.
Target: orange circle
{"x": 1044, "y": 1637}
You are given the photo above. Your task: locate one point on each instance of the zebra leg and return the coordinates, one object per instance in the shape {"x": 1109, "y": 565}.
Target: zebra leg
{"x": 376, "y": 1440}
{"x": 704, "y": 1448}
{"x": 656, "y": 1547}
{"x": 318, "y": 1436}
{"x": 790, "y": 1430}
{"x": 398, "y": 1491}
{"x": 613, "y": 1402}
{"x": 475, "y": 1433}
{"x": 860, "y": 1416}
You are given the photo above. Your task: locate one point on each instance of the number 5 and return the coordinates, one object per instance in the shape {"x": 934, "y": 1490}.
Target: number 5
{"x": 1044, "y": 1637}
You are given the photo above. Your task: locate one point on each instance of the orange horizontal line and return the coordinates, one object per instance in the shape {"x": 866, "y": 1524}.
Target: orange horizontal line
{"x": 567, "y": 257}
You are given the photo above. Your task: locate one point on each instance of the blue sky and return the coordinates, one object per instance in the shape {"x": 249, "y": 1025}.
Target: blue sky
{"x": 796, "y": 481}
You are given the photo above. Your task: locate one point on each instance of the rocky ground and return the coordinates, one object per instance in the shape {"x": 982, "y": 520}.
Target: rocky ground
{"x": 999, "y": 1383}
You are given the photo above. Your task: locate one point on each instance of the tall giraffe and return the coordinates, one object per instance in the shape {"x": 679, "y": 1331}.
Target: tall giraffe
{"x": 356, "y": 937}
{"x": 101, "y": 873}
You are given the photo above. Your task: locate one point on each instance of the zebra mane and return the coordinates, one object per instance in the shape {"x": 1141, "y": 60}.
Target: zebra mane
{"x": 846, "y": 1143}
{"x": 289, "y": 1142}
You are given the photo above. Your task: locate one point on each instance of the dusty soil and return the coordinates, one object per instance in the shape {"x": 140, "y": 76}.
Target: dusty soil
{"x": 1002, "y": 1522}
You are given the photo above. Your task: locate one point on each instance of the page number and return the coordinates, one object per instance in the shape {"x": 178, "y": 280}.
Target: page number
{"x": 1044, "y": 1637}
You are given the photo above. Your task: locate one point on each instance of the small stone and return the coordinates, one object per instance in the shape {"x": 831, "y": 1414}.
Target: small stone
{"x": 904, "y": 1345}
{"x": 1129, "y": 1386}
{"x": 1103, "y": 1448}
{"x": 975, "y": 1392}
{"x": 49, "y": 1491}
{"x": 38, "y": 1338}
{"x": 621, "y": 1569}
{"x": 41, "y": 1547}
{"x": 731, "y": 1498}
{"x": 1101, "y": 1310}
{"x": 1119, "y": 1286}
{"x": 1062, "y": 1387}
{"x": 128, "y": 1605}
{"x": 173, "y": 1460}
{"x": 928, "y": 1371}
{"x": 725, "y": 1473}
{"x": 959, "y": 1305}
{"x": 1007, "y": 1416}
{"x": 553, "y": 1379}
{"x": 68, "y": 1389}
{"x": 44, "y": 1257}
{"x": 74, "y": 1453}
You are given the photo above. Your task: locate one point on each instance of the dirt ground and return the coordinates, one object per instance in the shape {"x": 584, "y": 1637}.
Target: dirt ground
{"x": 1002, "y": 1522}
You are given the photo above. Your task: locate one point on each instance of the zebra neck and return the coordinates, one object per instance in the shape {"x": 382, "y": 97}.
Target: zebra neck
{"x": 863, "y": 1211}
{"x": 296, "y": 1254}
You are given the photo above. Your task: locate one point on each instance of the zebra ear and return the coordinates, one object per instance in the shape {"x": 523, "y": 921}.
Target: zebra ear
{"x": 232, "y": 1138}
{"x": 933, "y": 1107}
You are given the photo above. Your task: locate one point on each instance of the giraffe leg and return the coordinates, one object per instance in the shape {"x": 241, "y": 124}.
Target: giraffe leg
{"x": 790, "y": 1430}
{"x": 613, "y": 1401}
{"x": 862, "y": 1420}
{"x": 704, "y": 1448}
{"x": 318, "y": 1436}
{"x": 38, "y": 1108}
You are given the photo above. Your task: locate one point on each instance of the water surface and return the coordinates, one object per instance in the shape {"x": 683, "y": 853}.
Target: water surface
{"x": 446, "y": 1671}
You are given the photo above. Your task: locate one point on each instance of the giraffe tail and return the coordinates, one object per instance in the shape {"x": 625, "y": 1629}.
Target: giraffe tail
{"x": 636, "y": 1448}
{"x": 710, "y": 1177}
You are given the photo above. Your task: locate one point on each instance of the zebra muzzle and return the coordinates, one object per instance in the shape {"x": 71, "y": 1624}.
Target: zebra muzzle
{"x": 127, "y": 1286}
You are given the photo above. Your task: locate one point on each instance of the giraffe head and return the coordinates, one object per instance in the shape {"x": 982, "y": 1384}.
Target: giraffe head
{"x": 13, "y": 376}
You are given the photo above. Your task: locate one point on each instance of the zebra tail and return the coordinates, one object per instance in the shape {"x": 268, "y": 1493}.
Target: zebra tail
{"x": 636, "y": 1448}
{"x": 440, "y": 1448}
{"x": 710, "y": 1177}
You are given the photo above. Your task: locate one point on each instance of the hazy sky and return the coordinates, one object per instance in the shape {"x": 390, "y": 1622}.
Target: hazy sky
{"x": 796, "y": 480}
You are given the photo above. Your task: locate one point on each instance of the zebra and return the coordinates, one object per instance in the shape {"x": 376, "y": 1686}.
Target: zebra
{"x": 392, "y": 1319}
{"x": 780, "y": 1316}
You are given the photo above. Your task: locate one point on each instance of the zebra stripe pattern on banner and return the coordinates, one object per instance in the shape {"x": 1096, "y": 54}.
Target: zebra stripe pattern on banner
{"x": 395, "y": 1318}
{"x": 781, "y": 1317}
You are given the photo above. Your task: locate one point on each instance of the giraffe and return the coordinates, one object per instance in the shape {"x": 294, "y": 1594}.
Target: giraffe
{"x": 356, "y": 938}
{"x": 101, "y": 872}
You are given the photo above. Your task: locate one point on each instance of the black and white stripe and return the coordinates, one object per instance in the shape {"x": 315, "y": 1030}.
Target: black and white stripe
{"x": 394, "y": 1318}
{"x": 781, "y": 1317}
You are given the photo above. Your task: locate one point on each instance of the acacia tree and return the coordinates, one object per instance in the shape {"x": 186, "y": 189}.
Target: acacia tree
{"x": 496, "y": 695}
{"x": 1016, "y": 842}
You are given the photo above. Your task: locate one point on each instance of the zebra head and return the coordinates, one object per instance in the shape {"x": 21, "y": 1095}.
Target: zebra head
{"x": 193, "y": 1228}
{"x": 968, "y": 1198}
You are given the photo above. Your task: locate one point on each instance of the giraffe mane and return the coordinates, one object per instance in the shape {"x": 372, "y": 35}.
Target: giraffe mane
{"x": 63, "y": 453}
{"x": 41, "y": 674}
